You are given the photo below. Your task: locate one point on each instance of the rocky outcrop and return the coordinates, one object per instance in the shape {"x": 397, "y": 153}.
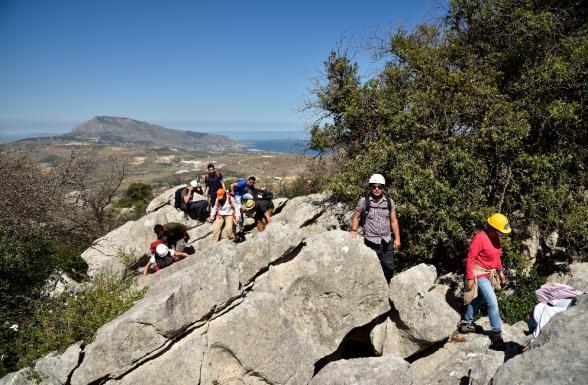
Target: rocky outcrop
{"x": 421, "y": 315}
{"x": 366, "y": 371}
{"x": 576, "y": 276}
{"x": 288, "y": 306}
{"x": 560, "y": 355}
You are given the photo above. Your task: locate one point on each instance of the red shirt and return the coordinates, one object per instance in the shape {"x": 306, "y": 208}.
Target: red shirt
{"x": 484, "y": 254}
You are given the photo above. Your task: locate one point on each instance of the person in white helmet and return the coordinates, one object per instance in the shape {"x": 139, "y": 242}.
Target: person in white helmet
{"x": 376, "y": 212}
{"x": 163, "y": 257}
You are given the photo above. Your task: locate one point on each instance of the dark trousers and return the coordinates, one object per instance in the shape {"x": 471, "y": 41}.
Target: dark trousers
{"x": 385, "y": 254}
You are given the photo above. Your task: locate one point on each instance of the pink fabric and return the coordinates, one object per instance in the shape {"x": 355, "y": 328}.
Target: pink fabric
{"x": 482, "y": 253}
{"x": 551, "y": 291}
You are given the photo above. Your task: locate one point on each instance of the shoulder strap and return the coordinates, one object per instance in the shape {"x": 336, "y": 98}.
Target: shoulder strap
{"x": 366, "y": 209}
{"x": 389, "y": 204}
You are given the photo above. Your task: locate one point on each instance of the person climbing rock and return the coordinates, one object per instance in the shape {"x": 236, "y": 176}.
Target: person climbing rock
{"x": 224, "y": 213}
{"x": 376, "y": 212}
{"x": 162, "y": 258}
{"x": 484, "y": 275}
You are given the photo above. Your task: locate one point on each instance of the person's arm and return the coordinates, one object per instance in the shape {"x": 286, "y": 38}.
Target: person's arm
{"x": 395, "y": 229}
{"x": 267, "y": 216}
{"x": 236, "y": 209}
{"x": 355, "y": 223}
{"x": 188, "y": 195}
{"x": 180, "y": 254}
{"x": 232, "y": 188}
{"x": 473, "y": 252}
{"x": 213, "y": 211}
{"x": 205, "y": 185}
{"x": 146, "y": 269}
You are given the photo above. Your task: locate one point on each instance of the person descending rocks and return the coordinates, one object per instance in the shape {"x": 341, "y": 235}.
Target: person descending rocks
{"x": 174, "y": 234}
{"x": 484, "y": 274}
{"x": 376, "y": 212}
{"x": 213, "y": 181}
{"x": 241, "y": 190}
{"x": 162, "y": 258}
{"x": 223, "y": 213}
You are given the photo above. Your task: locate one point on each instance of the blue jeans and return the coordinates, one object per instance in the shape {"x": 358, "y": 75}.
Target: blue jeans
{"x": 486, "y": 294}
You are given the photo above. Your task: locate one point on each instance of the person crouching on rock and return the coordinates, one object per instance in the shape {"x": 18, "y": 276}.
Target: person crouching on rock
{"x": 223, "y": 213}
{"x": 484, "y": 274}
{"x": 163, "y": 257}
{"x": 377, "y": 214}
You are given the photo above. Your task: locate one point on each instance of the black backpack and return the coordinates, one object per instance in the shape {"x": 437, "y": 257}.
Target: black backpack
{"x": 178, "y": 199}
{"x": 199, "y": 210}
{"x": 367, "y": 207}
{"x": 264, "y": 195}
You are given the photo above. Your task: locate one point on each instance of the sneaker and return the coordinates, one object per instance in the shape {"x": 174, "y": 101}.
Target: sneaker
{"x": 466, "y": 327}
{"x": 497, "y": 343}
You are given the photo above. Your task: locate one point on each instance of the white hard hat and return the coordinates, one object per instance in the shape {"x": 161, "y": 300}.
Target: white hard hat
{"x": 377, "y": 178}
{"x": 162, "y": 250}
{"x": 194, "y": 183}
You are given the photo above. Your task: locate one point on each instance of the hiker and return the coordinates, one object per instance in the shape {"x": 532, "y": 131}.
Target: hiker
{"x": 224, "y": 213}
{"x": 162, "y": 258}
{"x": 241, "y": 189}
{"x": 174, "y": 234}
{"x": 484, "y": 273}
{"x": 377, "y": 214}
{"x": 262, "y": 208}
{"x": 213, "y": 181}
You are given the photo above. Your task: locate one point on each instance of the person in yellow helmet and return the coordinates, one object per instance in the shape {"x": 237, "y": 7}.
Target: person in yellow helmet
{"x": 484, "y": 273}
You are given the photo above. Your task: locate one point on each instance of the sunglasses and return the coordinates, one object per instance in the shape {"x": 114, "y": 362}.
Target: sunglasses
{"x": 377, "y": 187}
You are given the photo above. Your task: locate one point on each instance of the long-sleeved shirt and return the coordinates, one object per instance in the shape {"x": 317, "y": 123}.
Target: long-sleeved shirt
{"x": 227, "y": 208}
{"x": 483, "y": 253}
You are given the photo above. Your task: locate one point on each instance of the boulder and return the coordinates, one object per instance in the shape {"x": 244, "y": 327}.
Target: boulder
{"x": 61, "y": 284}
{"x": 56, "y": 368}
{"x": 465, "y": 359}
{"x": 304, "y": 210}
{"x": 423, "y": 311}
{"x": 297, "y": 313}
{"x": 366, "y": 371}
{"x": 531, "y": 240}
{"x": 576, "y": 277}
{"x": 560, "y": 355}
{"x": 22, "y": 377}
{"x": 390, "y": 340}
{"x": 132, "y": 239}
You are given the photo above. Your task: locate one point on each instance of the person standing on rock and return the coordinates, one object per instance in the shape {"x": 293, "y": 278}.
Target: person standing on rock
{"x": 223, "y": 213}
{"x": 213, "y": 181}
{"x": 484, "y": 274}
{"x": 376, "y": 212}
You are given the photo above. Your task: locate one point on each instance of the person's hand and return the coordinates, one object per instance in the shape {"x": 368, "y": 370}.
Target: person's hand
{"x": 502, "y": 278}
{"x": 353, "y": 233}
{"x": 396, "y": 244}
{"x": 469, "y": 284}
{"x": 209, "y": 220}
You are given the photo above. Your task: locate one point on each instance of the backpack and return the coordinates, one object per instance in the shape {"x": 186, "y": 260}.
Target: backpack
{"x": 264, "y": 195}
{"x": 367, "y": 207}
{"x": 178, "y": 198}
{"x": 199, "y": 210}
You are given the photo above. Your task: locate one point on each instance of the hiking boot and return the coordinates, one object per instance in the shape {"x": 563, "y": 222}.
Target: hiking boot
{"x": 497, "y": 343}
{"x": 465, "y": 327}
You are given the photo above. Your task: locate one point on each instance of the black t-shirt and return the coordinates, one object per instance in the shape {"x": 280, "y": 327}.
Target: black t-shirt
{"x": 213, "y": 181}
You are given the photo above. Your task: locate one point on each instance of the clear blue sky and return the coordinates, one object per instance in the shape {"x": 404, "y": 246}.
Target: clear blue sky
{"x": 201, "y": 65}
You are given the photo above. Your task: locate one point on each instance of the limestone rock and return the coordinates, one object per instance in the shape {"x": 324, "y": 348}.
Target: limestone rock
{"x": 61, "y": 284}
{"x": 577, "y": 276}
{"x": 421, "y": 305}
{"x": 299, "y": 311}
{"x": 181, "y": 297}
{"x": 22, "y": 377}
{"x": 390, "y": 340}
{"x": 532, "y": 242}
{"x": 304, "y": 210}
{"x": 464, "y": 361}
{"x": 366, "y": 371}
{"x": 56, "y": 368}
{"x": 561, "y": 355}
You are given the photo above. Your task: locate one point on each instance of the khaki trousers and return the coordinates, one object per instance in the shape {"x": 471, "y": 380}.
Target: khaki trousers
{"x": 217, "y": 227}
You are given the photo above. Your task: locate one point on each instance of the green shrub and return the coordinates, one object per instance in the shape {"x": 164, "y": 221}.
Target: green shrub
{"x": 515, "y": 304}
{"x": 56, "y": 323}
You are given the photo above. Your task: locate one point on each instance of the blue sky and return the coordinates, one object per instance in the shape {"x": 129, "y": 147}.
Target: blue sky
{"x": 200, "y": 65}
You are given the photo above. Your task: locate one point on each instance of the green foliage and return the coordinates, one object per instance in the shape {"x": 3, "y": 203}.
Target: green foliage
{"x": 138, "y": 194}
{"x": 482, "y": 113}
{"x": 56, "y": 323}
{"x": 517, "y": 303}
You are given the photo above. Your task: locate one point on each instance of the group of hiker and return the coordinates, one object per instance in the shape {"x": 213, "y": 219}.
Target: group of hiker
{"x": 376, "y": 214}
{"x": 224, "y": 208}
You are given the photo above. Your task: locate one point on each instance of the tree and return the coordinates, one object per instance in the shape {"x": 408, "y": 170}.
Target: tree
{"x": 484, "y": 112}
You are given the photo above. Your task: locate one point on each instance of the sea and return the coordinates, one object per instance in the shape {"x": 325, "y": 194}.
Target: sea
{"x": 272, "y": 141}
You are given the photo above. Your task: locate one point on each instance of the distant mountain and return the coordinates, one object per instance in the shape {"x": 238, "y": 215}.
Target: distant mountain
{"x": 116, "y": 130}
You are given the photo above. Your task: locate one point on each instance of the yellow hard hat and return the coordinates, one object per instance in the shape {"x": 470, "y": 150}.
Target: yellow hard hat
{"x": 499, "y": 222}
